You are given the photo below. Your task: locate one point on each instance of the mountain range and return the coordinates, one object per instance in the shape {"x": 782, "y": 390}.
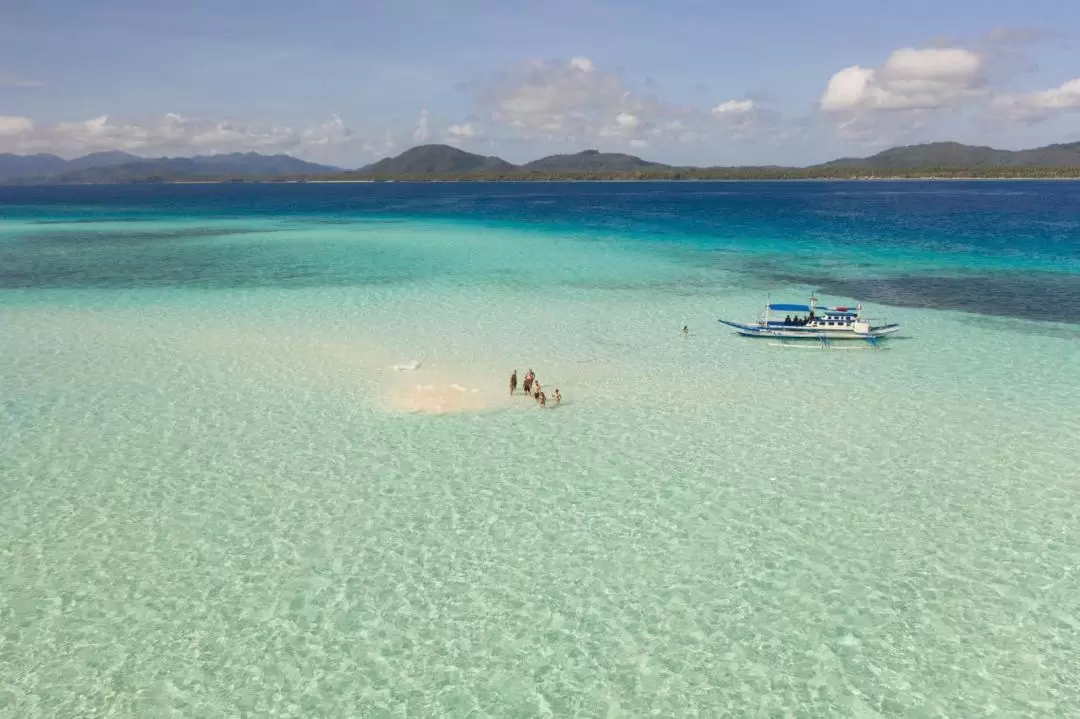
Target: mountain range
{"x": 116, "y": 166}
{"x": 442, "y": 161}
{"x": 446, "y": 162}
{"x": 435, "y": 160}
{"x": 953, "y": 154}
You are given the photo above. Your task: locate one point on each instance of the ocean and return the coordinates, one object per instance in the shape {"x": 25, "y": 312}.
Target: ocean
{"x": 258, "y": 455}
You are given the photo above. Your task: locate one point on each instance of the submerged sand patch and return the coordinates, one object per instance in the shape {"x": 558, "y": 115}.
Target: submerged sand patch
{"x": 441, "y": 390}
{"x": 255, "y": 353}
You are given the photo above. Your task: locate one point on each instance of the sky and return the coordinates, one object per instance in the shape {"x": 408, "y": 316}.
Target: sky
{"x": 682, "y": 81}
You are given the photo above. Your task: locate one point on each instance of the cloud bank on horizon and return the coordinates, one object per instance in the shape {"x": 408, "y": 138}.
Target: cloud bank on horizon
{"x": 986, "y": 91}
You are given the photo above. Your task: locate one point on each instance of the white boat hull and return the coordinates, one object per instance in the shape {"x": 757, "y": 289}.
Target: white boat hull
{"x": 814, "y": 334}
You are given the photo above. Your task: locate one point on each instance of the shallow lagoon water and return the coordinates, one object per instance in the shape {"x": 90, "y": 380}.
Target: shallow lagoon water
{"x": 215, "y": 501}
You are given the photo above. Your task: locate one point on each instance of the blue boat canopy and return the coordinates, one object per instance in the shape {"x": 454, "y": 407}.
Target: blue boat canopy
{"x": 790, "y": 308}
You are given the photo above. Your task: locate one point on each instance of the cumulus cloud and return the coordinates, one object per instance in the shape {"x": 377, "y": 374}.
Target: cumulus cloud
{"x": 14, "y": 125}
{"x": 170, "y": 134}
{"x": 910, "y": 79}
{"x": 422, "y": 131}
{"x": 576, "y": 103}
{"x": 583, "y": 63}
{"x": 1040, "y": 105}
{"x": 535, "y": 108}
{"x": 331, "y": 132}
{"x": 734, "y": 108}
{"x": 462, "y": 132}
{"x": 564, "y": 98}
{"x": 911, "y": 92}
{"x": 746, "y": 118}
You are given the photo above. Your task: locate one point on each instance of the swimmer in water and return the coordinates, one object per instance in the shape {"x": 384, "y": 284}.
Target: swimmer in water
{"x": 685, "y": 331}
{"x": 543, "y": 400}
{"x": 513, "y": 382}
{"x": 558, "y": 397}
{"x": 536, "y": 391}
{"x": 527, "y": 385}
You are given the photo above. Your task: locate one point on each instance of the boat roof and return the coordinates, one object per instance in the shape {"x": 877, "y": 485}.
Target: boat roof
{"x": 843, "y": 309}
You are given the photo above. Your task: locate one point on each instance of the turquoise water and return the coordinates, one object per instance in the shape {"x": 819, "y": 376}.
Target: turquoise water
{"x": 219, "y": 498}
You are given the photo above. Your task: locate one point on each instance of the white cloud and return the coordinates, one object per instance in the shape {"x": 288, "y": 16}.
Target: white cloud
{"x": 422, "y": 131}
{"x": 848, "y": 89}
{"x": 331, "y": 132}
{"x": 1040, "y": 105}
{"x": 13, "y": 125}
{"x": 913, "y": 91}
{"x": 743, "y": 119}
{"x": 570, "y": 99}
{"x": 462, "y": 132}
{"x": 574, "y": 103}
{"x": 582, "y": 63}
{"x": 734, "y": 107}
{"x": 170, "y": 134}
{"x": 542, "y": 107}
{"x": 910, "y": 79}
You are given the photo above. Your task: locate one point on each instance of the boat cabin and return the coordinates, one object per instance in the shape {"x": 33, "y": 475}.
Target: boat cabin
{"x": 812, "y": 316}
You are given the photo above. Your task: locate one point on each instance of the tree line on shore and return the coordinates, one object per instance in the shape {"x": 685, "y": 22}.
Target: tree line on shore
{"x": 727, "y": 173}
{"x": 674, "y": 174}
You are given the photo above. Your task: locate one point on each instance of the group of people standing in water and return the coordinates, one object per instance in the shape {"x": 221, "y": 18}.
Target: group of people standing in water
{"x": 531, "y": 386}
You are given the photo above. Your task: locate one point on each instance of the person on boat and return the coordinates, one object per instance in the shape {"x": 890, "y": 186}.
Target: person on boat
{"x": 513, "y": 382}
{"x": 787, "y": 320}
{"x": 558, "y": 397}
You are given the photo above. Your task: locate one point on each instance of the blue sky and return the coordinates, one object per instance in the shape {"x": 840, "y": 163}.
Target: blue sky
{"x": 681, "y": 81}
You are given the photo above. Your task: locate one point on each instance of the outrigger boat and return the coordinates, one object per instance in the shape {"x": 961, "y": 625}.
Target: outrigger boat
{"x": 814, "y": 322}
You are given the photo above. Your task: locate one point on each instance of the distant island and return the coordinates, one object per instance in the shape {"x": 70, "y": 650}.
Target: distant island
{"x": 121, "y": 167}
{"x": 938, "y": 160}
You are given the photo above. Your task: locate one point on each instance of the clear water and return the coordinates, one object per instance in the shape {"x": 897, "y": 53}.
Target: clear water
{"x": 218, "y": 498}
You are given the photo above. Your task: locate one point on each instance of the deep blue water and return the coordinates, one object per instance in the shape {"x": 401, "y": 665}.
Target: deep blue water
{"x": 998, "y": 248}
